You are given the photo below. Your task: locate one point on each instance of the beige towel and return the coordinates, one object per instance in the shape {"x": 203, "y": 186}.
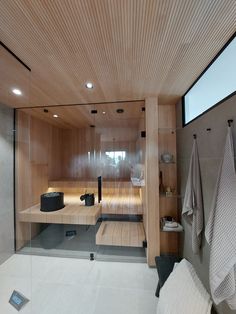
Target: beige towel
{"x": 193, "y": 205}
{"x": 221, "y": 231}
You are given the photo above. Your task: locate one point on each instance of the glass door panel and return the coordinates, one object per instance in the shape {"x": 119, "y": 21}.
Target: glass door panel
{"x": 66, "y": 154}
{"x": 121, "y": 130}
{"x": 15, "y": 268}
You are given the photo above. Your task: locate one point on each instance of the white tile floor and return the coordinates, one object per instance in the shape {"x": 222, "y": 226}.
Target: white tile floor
{"x": 64, "y": 285}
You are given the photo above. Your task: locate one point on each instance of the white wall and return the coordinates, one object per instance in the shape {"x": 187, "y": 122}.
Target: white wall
{"x": 6, "y": 184}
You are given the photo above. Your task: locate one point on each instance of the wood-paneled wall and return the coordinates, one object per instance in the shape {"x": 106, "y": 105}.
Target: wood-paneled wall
{"x": 79, "y": 149}
{"x": 161, "y": 138}
{"x": 55, "y": 154}
{"x": 152, "y": 181}
{"x": 122, "y": 170}
{"x": 83, "y": 155}
{"x": 27, "y": 169}
{"x": 38, "y": 157}
{"x": 169, "y": 241}
{"x": 141, "y": 157}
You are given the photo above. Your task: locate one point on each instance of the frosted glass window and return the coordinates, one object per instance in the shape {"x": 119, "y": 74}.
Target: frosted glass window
{"x": 218, "y": 82}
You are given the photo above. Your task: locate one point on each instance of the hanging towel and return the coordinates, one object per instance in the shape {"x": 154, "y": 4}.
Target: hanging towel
{"x": 221, "y": 231}
{"x": 193, "y": 205}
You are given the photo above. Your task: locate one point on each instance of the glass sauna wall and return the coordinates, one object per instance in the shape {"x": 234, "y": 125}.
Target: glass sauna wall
{"x": 120, "y": 231}
{"x": 61, "y": 159}
{"x": 15, "y": 270}
{"x": 68, "y": 153}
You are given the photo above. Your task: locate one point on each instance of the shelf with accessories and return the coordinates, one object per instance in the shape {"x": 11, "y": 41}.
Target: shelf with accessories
{"x": 168, "y": 195}
{"x": 170, "y": 225}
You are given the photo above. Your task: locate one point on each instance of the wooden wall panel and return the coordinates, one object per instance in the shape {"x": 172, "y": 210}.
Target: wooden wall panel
{"x": 40, "y": 136}
{"x": 79, "y": 153}
{"x": 169, "y": 242}
{"x": 141, "y": 156}
{"x": 152, "y": 181}
{"x": 160, "y": 138}
{"x": 55, "y": 154}
{"x": 83, "y": 155}
{"x": 35, "y": 151}
{"x": 167, "y": 118}
{"x": 123, "y": 168}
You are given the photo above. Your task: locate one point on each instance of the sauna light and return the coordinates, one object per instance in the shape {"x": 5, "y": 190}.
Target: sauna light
{"x": 17, "y": 91}
{"x": 104, "y": 112}
{"x": 89, "y": 85}
{"x": 120, "y": 110}
{"x": 55, "y": 116}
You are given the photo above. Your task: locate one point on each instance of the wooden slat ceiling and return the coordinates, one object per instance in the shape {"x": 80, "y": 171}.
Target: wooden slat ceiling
{"x": 81, "y": 116}
{"x": 129, "y": 49}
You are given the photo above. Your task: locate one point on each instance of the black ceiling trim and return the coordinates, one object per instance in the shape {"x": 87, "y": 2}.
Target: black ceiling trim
{"x": 15, "y": 56}
{"x": 83, "y": 104}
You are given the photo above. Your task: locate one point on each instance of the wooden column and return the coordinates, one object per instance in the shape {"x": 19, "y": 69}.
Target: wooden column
{"x": 152, "y": 180}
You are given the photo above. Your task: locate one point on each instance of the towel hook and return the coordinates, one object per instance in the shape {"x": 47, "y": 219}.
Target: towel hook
{"x": 208, "y": 129}
{"x": 194, "y": 136}
{"x": 230, "y": 121}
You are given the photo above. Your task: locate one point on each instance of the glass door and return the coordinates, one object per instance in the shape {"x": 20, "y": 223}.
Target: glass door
{"x": 120, "y": 231}
{"x": 15, "y": 268}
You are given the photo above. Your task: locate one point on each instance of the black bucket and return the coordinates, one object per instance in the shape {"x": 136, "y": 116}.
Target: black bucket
{"x": 88, "y": 198}
{"x": 52, "y": 201}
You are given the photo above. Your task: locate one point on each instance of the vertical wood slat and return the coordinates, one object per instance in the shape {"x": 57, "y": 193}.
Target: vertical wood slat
{"x": 152, "y": 180}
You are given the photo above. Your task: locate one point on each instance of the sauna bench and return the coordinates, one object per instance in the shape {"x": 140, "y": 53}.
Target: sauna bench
{"x": 72, "y": 213}
{"x": 124, "y": 204}
{"x": 118, "y": 198}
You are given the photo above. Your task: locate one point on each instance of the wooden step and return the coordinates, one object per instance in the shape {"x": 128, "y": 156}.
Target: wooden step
{"x": 121, "y": 233}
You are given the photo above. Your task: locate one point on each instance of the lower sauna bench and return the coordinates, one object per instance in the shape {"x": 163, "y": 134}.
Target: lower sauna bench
{"x": 121, "y": 233}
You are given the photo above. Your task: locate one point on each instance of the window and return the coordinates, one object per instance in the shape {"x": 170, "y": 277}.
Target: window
{"x": 116, "y": 156}
{"x": 216, "y": 83}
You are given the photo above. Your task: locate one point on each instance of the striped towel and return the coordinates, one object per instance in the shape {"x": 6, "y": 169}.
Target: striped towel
{"x": 221, "y": 231}
{"x": 193, "y": 205}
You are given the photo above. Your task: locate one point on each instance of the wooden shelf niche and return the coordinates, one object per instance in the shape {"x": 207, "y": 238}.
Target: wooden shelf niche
{"x": 169, "y": 241}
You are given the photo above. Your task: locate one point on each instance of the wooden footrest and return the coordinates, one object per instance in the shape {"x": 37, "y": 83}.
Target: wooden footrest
{"x": 121, "y": 233}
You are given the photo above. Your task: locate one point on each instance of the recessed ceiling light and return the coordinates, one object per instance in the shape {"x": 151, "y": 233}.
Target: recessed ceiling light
{"x": 17, "y": 91}
{"x": 120, "y": 110}
{"x": 89, "y": 85}
{"x": 55, "y": 116}
{"x": 104, "y": 112}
